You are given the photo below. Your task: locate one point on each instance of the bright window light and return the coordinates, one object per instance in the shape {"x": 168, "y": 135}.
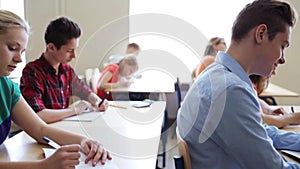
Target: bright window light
{"x": 211, "y": 18}
{"x": 17, "y": 7}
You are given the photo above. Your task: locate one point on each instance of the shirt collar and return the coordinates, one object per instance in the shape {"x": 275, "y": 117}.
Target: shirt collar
{"x": 49, "y": 67}
{"x": 232, "y": 65}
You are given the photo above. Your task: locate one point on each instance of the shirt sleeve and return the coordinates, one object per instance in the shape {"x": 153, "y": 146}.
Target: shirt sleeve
{"x": 283, "y": 139}
{"x": 32, "y": 88}
{"x": 15, "y": 94}
{"x": 243, "y": 136}
{"x": 79, "y": 88}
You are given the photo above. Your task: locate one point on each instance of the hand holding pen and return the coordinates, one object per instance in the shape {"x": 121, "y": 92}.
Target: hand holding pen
{"x": 94, "y": 151}
{"x": 64, "y": 156}
{"x": 103, "y": 103}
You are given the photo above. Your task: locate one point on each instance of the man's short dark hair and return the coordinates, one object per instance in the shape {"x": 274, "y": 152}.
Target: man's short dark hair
{"x": 275, "y": 14}
{"x": 133, "y": 45}
{"x": 60, "y": 31}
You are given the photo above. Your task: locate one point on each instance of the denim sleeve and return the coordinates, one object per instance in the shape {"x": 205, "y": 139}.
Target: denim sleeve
{"x": 249, "y": 142}
{"x": 283, "y": 139}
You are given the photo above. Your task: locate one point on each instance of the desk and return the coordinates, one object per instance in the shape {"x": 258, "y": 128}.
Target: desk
{"x": 150, "y": 81}
{"x": 295, "y": 128}
{"x": 131, "y": 135}
{"x": 277, "y": 91}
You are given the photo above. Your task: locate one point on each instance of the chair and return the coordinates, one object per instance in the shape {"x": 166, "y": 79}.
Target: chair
{"x": 178, "y": 91}
{"x": 177, "y": 86}
{"x": 269, "y": 99}
{"x": 163, "y": 139}
{"x": 183, "y": 150}
{"x": 92, "y": 76}
{"x": 165, "y": 124}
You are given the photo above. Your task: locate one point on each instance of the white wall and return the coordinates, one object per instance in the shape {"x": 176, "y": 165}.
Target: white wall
{"x": 93, "y": 16}
{"x": 288, "y": 74}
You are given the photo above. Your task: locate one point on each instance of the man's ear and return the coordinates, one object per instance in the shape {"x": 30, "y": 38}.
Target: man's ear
{"x": 261, "y": 33}
{"x": 51, "y": 47}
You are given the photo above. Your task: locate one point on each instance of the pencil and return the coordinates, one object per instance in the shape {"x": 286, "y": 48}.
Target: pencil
{"x": 117, "y": 106}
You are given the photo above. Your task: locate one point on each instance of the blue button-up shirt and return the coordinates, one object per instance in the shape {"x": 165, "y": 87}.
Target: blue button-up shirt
{"x": 220, "y": 119}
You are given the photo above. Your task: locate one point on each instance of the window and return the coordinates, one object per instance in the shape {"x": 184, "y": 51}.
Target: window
{"x": 16, "y": 6}
{"x": 211, "y": 18}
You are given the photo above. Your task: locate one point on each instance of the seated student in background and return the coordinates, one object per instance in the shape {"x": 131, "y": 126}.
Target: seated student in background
{"x": 214, "y": 45}
{"x": 277, "y": 117}
{"x": 117, "y": 75}
{"x": 13, "y": 41}
{"x": 220, "y": 118}
{"x": 132, "y": 49}
{"x": 48, "y": 82}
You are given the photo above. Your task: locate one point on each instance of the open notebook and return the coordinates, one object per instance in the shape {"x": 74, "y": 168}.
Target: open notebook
{"x": 294, "y": 154}
{"x": 85, "y": 116}
{"x": 108, "y": 165}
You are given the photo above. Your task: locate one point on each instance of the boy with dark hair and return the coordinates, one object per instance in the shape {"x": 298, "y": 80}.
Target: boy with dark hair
{"x": 48, "y": 82}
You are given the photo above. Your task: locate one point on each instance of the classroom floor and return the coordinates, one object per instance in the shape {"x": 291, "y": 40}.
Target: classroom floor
{"x": 171, "y": 147}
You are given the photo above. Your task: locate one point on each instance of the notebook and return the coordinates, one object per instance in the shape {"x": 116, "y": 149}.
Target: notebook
{"x": 108, "y": 165}
{"x": 294, "y": 154}
{"x": 142, "y": 104}
{"x": 85, "y": 116}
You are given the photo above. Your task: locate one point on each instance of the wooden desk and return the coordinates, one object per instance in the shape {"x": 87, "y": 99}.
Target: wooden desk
{"x": 151, "y": 81}
{"x": 131, "y": 135}
{"x": 295, "y": 128}
{"x": 277, "y": 91}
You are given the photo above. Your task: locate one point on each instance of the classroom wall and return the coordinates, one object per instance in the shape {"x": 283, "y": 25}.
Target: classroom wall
{"x": 95, "y": 17}
{"x": 288, "y": 74}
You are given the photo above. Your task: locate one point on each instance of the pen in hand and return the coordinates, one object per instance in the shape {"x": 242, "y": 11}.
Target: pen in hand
{"x": 292, "y": 109}
{"x": 106, "y": 95}
{"x": 51, "y": 143}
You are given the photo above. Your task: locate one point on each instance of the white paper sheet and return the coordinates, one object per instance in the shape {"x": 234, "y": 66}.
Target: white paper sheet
{"x": 85, "y": 116}
{"x": 292, "y": 153}
{"x": 109, "y": 164}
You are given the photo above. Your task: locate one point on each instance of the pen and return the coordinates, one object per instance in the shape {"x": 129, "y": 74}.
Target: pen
{"x": 51, "y": 143}
{"x": 106, "y": 95}
{"x": 292, "y": 109}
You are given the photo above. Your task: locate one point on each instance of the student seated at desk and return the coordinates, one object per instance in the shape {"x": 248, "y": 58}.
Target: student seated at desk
{"x": 117, "y": 75}
{"x": 133, "y": 49}
{"x": 214, "y": 45}
{"x": 13, "y": 41}
{"x": 220, "y": 118}
{"x": 277, "y": 117}
{"x": 48, "y": 82}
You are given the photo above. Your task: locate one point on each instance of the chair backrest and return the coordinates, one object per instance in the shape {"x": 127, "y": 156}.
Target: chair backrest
{"x": 92, "y": 76}
{"x": 178, "y": 91}
{"x": 183, "y": 150}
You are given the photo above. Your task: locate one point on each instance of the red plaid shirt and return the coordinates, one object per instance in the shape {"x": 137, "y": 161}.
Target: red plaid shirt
{"x": 42, "y": 88}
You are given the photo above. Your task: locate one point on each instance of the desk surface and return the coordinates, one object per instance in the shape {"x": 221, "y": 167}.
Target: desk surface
{"x": 151, "y": 81}
{"x": 277, "y": 91}
{"x": 131, "y": 135}
{"x": 295, "y": 128}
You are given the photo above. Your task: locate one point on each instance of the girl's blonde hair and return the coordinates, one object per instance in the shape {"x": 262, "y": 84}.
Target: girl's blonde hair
{"x": 9, "y": 20}
{"x": 128, "y": 60}
{"x": 210, "y": 50}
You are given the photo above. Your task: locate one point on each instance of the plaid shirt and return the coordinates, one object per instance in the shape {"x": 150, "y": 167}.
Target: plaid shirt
{"x": 42, "y": 88}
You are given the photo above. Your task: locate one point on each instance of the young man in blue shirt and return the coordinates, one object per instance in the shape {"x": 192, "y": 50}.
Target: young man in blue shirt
{"x": 220, "y": 118}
